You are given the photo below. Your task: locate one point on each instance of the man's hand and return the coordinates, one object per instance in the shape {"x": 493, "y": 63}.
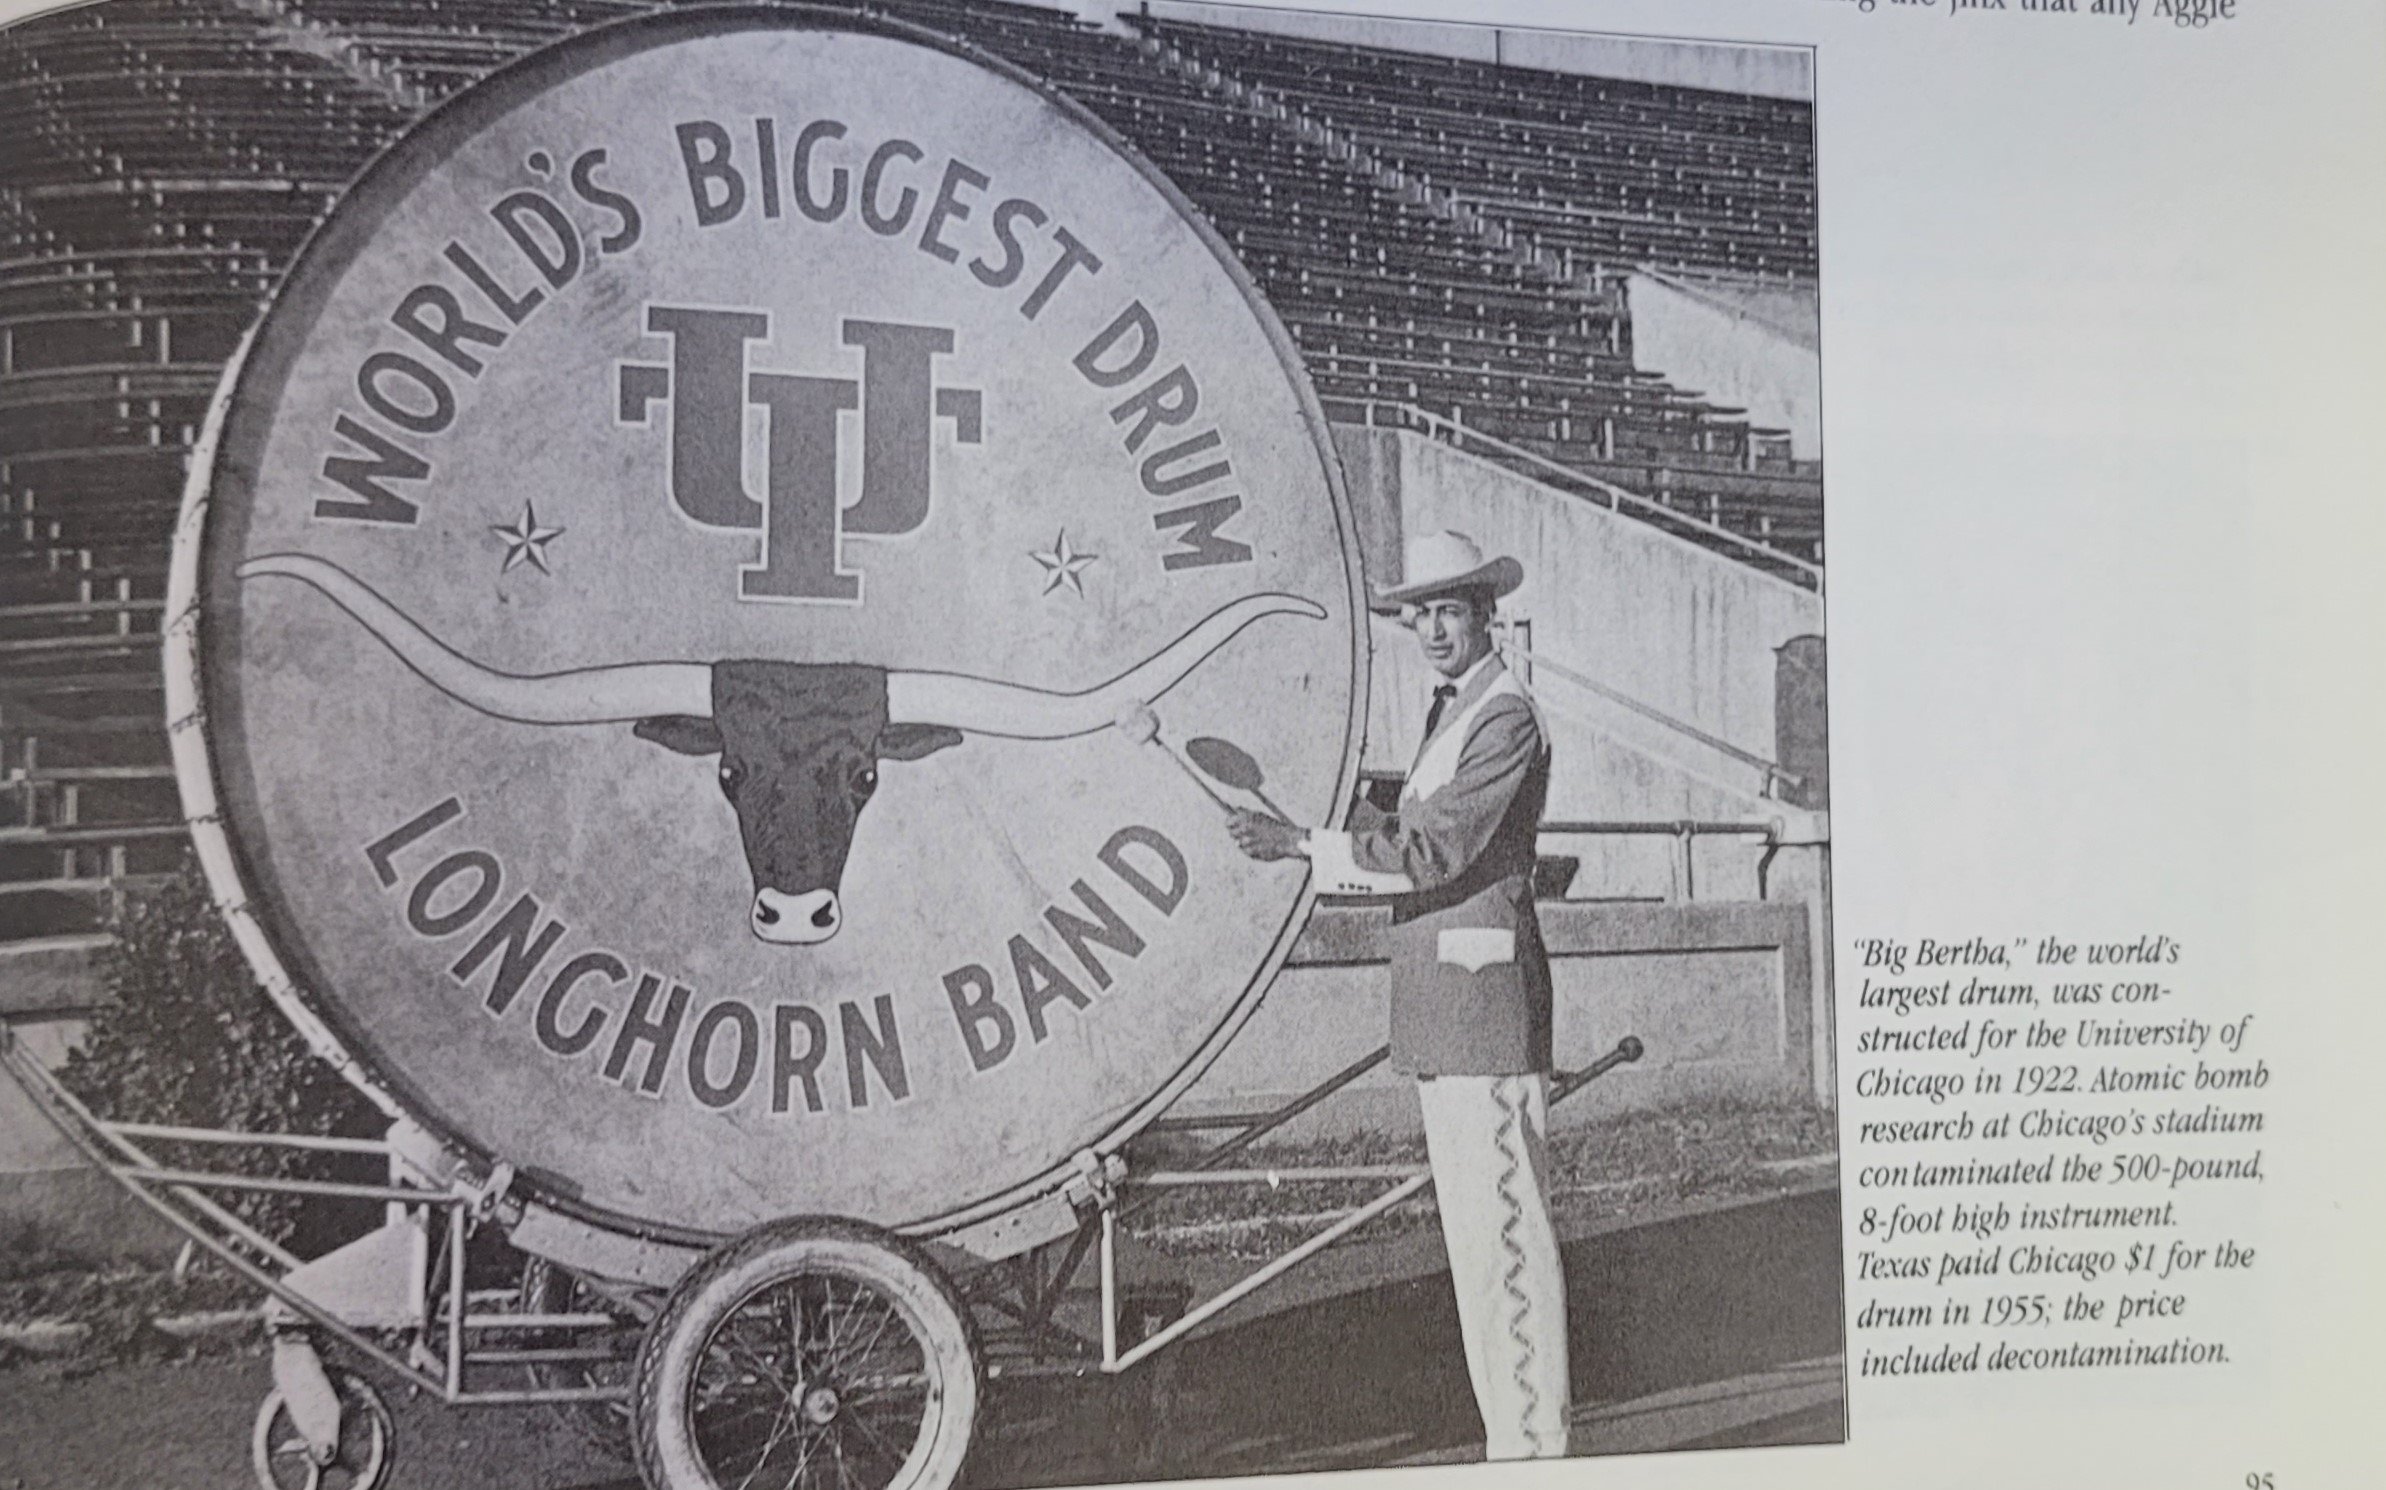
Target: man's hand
{"x": 1262, "y": 836}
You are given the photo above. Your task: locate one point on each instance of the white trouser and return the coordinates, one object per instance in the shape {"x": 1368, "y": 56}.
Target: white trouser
{"x": 1485, "y": 1136}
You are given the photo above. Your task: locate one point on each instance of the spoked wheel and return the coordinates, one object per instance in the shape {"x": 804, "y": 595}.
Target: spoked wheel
{"x": 362, "y": 1459}
{"x": 808, "y": 1355}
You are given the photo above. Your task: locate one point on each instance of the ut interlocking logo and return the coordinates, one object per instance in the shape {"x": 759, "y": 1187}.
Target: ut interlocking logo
{"x": 710, "y": 386}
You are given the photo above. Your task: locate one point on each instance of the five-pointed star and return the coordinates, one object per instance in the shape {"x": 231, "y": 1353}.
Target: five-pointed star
{"x": 1064, "y": 565}
{"x": 526, "y": 540}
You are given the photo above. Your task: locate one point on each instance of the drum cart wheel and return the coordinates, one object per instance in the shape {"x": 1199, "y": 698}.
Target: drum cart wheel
{"x": 360, "y": 1459}
{"x": 809, "y": 1352}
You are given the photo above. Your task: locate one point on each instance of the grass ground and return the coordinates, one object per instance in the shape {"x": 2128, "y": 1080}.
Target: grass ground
{"x": 1627, "y": 1168}
{"x": 112, "y": 1301}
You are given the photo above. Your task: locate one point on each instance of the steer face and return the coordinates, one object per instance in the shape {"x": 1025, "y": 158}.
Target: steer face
{"x": 799, "y": 747}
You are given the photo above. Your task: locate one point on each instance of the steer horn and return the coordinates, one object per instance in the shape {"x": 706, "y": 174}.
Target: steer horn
{"x": 587, "y": 695}
{"x": 983, "y": 706}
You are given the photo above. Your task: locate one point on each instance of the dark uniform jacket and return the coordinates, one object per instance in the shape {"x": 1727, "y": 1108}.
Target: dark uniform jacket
{"x": 1470, "y": 977}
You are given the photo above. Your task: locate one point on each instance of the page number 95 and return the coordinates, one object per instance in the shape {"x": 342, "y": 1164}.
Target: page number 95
{"x": 2259, "y": 1480}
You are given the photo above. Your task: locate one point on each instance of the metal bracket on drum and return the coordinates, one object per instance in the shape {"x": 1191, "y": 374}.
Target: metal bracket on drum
{"x": 490, "y": 1198}
{"x": 1097, "y": 1181}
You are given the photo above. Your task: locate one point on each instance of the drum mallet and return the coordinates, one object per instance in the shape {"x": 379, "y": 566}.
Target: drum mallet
{"x": 1140, "y": 724}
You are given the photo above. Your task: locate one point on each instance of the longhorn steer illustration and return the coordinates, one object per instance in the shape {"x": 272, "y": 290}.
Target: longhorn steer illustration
{"x": 799, "y": 742}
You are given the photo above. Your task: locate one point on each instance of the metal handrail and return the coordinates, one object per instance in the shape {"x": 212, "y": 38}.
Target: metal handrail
{"x": 1657, "y": 827}
{"x": 1617, "y": 497}
{"x": 1689, "y": 285}
{"x": 1773, "y": 772}
{"x": 1684, "y": 832}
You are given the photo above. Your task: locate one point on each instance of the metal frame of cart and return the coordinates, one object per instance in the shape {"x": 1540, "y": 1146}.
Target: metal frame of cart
{"x": 399, "y": 1297}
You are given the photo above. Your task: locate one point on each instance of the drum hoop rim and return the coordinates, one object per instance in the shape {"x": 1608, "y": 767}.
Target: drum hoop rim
{"x": 229, "y": 870}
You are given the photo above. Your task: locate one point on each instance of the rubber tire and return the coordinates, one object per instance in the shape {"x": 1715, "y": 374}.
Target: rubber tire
{"x": 356, "y": 1395}
{"x": 777, "y": 1252}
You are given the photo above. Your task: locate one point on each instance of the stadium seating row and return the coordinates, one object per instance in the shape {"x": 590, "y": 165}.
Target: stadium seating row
{"x": 1696, "y": 179}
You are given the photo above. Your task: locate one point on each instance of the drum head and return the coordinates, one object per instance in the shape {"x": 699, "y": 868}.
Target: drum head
{"x": 682, "y": 557}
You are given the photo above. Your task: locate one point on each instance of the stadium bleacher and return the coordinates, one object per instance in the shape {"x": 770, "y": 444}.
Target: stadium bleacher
{"x": 1445, "y": 240}
{"x": 1610, "y": 173}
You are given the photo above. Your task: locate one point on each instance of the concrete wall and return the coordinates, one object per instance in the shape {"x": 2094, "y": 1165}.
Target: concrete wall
{"x": 1756, "y": 352}
{"x": 1718, "y": 994}
{"x": 47, "y": 988}
{"x": 1766, "y": 71}
{"x": 49, "y": 1198}
{"x": 29, "y": 1145}
{"x": 48, "y": 1195}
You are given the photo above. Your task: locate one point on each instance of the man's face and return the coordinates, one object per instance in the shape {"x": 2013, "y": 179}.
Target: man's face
{"x": 1454, "y": 631}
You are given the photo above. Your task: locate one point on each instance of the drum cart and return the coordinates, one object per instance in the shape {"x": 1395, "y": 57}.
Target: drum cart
{"x": 809, "y": 1351}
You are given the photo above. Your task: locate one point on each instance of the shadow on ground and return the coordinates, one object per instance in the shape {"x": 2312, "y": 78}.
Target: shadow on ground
{"x": 1719, "y": 1329}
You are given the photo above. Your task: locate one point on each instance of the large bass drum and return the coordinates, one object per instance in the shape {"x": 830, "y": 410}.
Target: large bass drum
{"x": 702, "y": 579}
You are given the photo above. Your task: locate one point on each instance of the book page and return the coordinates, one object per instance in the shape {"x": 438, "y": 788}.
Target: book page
{"x": 1013, "y": 745}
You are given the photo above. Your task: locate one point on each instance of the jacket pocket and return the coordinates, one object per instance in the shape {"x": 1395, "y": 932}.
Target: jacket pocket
{"x": 1475, "y": 947}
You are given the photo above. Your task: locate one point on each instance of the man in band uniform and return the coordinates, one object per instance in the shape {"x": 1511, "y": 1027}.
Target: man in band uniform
{"x": 1470, "y": 995}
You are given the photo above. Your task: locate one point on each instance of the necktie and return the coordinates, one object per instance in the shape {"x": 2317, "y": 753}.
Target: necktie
{"x": 1441, "y": 701}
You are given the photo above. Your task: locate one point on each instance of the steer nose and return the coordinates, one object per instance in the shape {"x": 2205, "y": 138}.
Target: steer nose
{"x": 798, "y": 919}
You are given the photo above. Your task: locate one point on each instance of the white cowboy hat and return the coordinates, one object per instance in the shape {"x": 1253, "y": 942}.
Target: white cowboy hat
{"x": 1437, "y": 563}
